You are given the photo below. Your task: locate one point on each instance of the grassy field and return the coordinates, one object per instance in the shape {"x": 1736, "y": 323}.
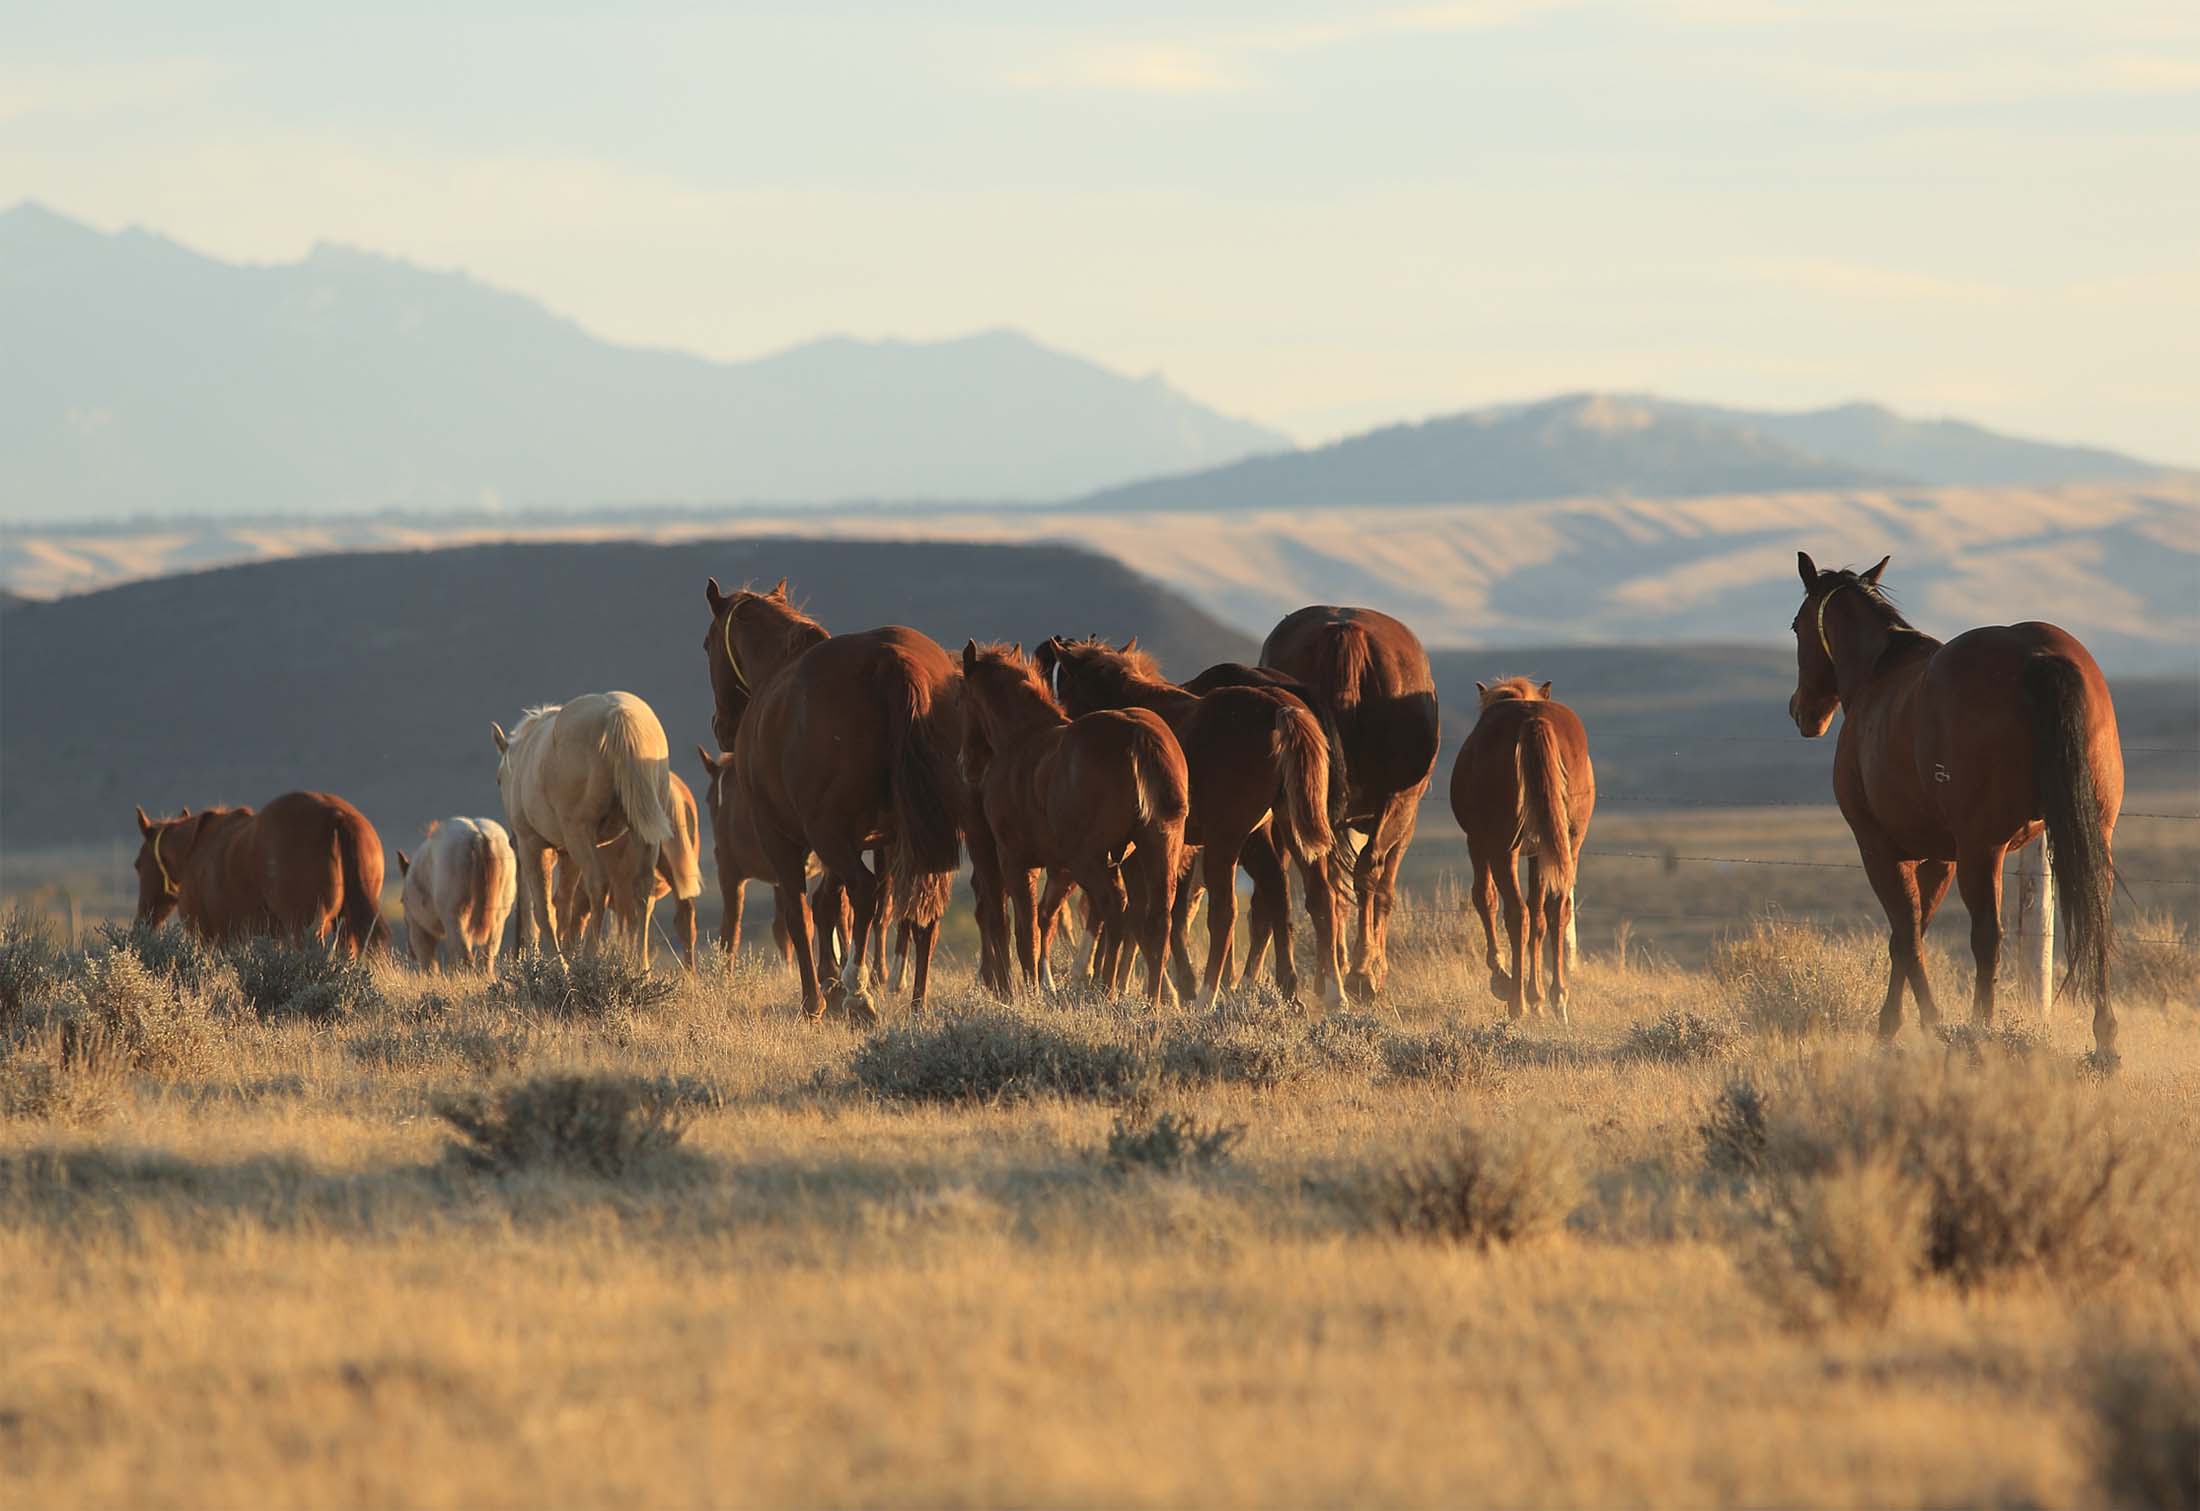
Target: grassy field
{"x": 279, "y": 1234}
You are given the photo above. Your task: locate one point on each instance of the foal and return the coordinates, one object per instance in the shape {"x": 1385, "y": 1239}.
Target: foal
{"x": 1523, "y": 782}
{"x": 1078, "y": 799}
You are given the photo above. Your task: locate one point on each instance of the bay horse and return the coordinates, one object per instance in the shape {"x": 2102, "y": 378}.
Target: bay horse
{"x": 850, "y": 745}
{"x": 305, "y": 866}
{"x": 1949, "y": 756}
{"x": 459, "y": 887}
{"x": 1370, "y": 675}
{"x": 740, "y": 859}
{"x": 1523, "y": 782}
{"x": 1259, "y": 765}
{"x": 678, "y": 875}
{"x": 1081, "y": 799}
{"x": 574, "y": 777}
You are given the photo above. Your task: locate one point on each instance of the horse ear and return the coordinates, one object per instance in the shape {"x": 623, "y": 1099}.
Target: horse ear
{"x": 496, "y": 733}
{"x": 1131, "y": 644}
{"x": 1482, "y": 689}
{"x": 970, "y": 656}
{"x": 145, "y": 825}
{"x": 1546, "y": 690}
{"x": 1806, "y": 569}
{"x": 1872, "y": 577}
{"x": 780, "y": 592}
{"x": 715, "y": 594}
{"x": 404, "y": 864}
{"x": 703, "y": 755}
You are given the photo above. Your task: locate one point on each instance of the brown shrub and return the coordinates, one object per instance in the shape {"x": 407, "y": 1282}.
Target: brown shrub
{"x": 601, "y": 1125}
{"x": 1483, "y": 1188}
{"x": 2144, "y": 1396}
{"x": 1794, "y": 981}
{"x": 1845, "y": 1244}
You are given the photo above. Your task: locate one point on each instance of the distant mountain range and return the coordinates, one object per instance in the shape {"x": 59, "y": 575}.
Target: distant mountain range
{"x": 139, "y": 377}
{"x": 1585, "y": 445}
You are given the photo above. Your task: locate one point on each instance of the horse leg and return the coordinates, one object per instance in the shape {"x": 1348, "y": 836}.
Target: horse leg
{"x": 1321, "y": 908}
{"x": 1894, "y": 880}
{"x": 1482, "y": 892}
{"x": 883, "y": 911}
{"x": 1023, "y": 898}
{"x": 863, "y": 893}
{"x": 1398, "y": 827}
{"x": 1050, "y": 908}
{"x": 1531, "y": 964}
{"x": 1978, "y": 878}
{"x": 733, "y": 898}
{"x": 683, "y": 930}
{"x": 923, "y": 938}
{"x": 1271, "y": 910}
{"x": 1561, "y": 905}
{"x": 535, "y": 922}
{"x": 1516, "y": 929}
{"x": 1931, "y": 882}
{"x": 1189, "y": 886}
{"x": 1218, "y": 872}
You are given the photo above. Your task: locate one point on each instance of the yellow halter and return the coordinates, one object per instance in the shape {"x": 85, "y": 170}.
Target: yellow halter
{"x": 733, "y": 660}
{"x": 168, "y": 885}
{"x": 1823, "y": 642}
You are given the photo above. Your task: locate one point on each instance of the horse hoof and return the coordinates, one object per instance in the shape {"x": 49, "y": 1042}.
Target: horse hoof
{"x": 1360, "y": 986}
{"x": 1501, "y": 986}
{"x": 859, "y": 1010}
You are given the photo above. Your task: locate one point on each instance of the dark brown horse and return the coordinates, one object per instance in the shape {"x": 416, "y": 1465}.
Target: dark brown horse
{"x": 1252, "y": 752}
{"x": 850, "y": 744}
{"x": 1523, "y": 782}
{"x": 1950, "y": 756}
{"x": 1371, "y": 676}
{"x": 305, "y": 865}
{"x": 733, "y": 680}
{"x": 1081, "y": 799}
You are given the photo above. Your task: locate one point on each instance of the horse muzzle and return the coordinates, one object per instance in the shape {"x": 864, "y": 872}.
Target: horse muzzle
{"x": 1810, "y": 723}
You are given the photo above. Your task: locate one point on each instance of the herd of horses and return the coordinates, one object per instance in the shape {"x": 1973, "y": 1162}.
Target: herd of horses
{"x": 854, "y": 772}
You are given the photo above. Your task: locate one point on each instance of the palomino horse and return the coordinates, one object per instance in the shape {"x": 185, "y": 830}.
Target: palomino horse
{"x": 1370, "y": 675}
{"x": 679, "y": 875}
{"x": 1252, "y": 752}
{"x": 304, "y": 865}
{"x": 1074, "y": 798}
{"x": 1951, "y": 755}
{"x": 459, "y": 889}
{"x": 574, "y": 778}
{"x": 1523, "y": 782}
{"x": 849, "y": 745}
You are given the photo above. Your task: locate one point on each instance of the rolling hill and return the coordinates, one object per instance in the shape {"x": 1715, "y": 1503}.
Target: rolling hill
{"x": 376, "y": 675}
{"x": 139, "y": 377}
{"x": 1582, "y": 445}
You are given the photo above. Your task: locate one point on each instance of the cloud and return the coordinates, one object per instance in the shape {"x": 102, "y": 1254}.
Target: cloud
{"x": 85, "y": 91}
{"x": 1221, "y": 62}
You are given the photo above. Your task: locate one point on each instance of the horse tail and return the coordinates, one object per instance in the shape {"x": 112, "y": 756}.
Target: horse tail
{"x": 484, "y": 888}
{"x": 687, "y": 883}
{"x": 641, "y": 775}
{"x": 2078, "y": 842}
{"x": 359, "y": 861}
{"x": 1341, "y": 664}
{"x": 1160, "y": 780}
{"x": 1546, "y": 806}
{"x": 1302, "y": 816}
{"x": 927, "y": 840}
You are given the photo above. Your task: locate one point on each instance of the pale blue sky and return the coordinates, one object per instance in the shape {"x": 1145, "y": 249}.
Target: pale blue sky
{"x": 1320, "y": 216}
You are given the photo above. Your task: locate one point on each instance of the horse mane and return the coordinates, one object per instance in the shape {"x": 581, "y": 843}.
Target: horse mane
{"x": 530, "y": 717}
{"x": 1519, "y": 688}
{"x": 1847, "y": 577}
{"x": 1011, "y": 658}
{"x": 1134, "y": 663}
{"x": 800, "y": 629}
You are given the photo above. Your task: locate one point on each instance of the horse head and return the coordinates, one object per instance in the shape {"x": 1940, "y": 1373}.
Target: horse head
{"x": 1817, "y": 682}
{"x": 163, "y": 846}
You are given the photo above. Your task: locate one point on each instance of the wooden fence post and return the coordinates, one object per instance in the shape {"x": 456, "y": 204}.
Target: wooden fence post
{"x": 2035, "y": 928}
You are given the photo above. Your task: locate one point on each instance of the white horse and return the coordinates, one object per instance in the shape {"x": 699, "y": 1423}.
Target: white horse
{"x": 576, "y": 777}
{"x": 458, "y": 892}
{"x": 679, "y": 874}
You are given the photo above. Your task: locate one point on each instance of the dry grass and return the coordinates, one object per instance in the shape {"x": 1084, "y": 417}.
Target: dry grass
{"x": 911, "y": 1269}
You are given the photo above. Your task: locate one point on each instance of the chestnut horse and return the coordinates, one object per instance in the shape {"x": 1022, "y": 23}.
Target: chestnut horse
{"x": 306, "y": 864}
{"x": 1951, "y": 755}
{"x": 679, "y": 875}
{"x": 1080, "y": 799}
{"x": 740, "y": 860}
{"x": 1523, "y": 782}
{"x": 849, "y": 745}
{"x": 1253, "y": 753}
{"x": 1370, "y": 675}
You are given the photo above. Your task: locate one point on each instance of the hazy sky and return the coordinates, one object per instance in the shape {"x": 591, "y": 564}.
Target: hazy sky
{"x": 1321, "y": 216}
